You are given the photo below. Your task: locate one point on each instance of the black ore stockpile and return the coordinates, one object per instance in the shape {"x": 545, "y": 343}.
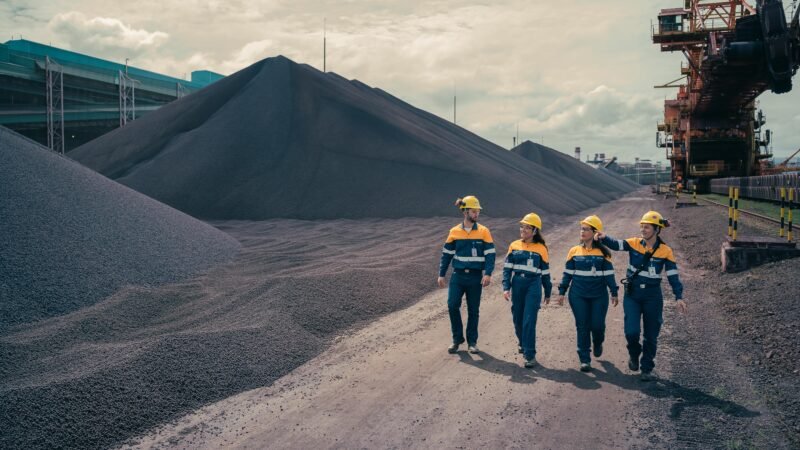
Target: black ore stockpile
{"x": 565, "y": 165}
{"x": 280, "y": 139}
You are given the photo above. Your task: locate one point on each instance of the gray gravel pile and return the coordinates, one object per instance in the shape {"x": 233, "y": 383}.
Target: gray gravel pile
{"x": 760, "y": 315}
{"x": 71, "y": 237}
{"x": 101, "y": 375}
{"x": 280, "y": 139}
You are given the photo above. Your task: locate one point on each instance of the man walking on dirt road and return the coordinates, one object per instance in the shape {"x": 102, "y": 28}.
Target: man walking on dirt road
{"x": 469, "y": 246}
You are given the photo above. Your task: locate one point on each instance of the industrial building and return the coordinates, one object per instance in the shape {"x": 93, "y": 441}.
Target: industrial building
{"x": 63, "y": 99}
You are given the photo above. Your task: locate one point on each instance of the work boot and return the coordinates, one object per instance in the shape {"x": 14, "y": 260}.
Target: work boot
{"x": 473, "y": 349}
{"x": 453, "y": 348}
{"x": 530, "y": 363}
{"x": 586, "y": 367}
{"x": 647, "y": 376}
{"x": 598, "y": 350}
{"x": 633, "y": 364}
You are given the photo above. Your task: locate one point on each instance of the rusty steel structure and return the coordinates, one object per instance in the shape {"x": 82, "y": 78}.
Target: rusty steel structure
{"x": 734, "y": 51}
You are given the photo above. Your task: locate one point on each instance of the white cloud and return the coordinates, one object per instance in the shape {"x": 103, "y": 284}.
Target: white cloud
{"x": 597, "y": 110}
{"x": 104, "y": 34}
{"x": 250, "y": 53}
{"x": 577, "y": 72}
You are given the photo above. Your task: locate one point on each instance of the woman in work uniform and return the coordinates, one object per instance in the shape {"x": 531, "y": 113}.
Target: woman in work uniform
{"x": 526, "y": 270}
{"x": 643, "y": 303}
{"x": 591, "y": 274}
{"x": 469, "y": 246}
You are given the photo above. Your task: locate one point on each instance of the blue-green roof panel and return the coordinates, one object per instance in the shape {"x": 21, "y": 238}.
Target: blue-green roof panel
{"x": 68, "y": 57}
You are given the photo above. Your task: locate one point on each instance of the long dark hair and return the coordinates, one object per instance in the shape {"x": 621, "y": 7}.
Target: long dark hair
{"x": 537, "y": 237}
{"x": 603, "y": 249}
{"x": 599, "y": 245}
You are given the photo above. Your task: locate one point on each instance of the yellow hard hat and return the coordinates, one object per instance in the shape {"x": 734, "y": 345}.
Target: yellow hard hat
{"x": 533, "y": 220}
{"x": 469, "y": 202}
{"x": 594, "y": 222}
{"x": 654, "y": 218}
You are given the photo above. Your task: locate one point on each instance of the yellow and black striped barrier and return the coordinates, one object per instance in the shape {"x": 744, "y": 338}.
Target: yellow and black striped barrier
{"x": 791, "y": 204}
{"x": 783, "y": 206}
{"x": 735, "y": 213}
{"x": 730, "y": 210}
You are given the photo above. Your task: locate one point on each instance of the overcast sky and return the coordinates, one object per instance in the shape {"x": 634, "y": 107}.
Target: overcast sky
{"x": 569, "y": 73}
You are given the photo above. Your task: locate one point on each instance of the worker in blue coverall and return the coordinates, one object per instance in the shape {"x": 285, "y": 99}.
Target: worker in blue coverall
{"x": 469, "y": 246}
{"x": 525, "y": 271}
{"x": 643, "y": 302}
{"x": 591, "y": 275}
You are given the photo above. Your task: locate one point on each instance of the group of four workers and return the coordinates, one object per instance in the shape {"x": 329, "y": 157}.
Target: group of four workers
{"x": 588, "y": 276}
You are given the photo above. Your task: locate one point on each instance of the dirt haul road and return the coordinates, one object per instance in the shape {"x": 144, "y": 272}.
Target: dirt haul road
{"x": 392, "y": 384}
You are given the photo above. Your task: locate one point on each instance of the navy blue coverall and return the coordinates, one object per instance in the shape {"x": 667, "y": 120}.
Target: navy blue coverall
{"x": 591, "y": 276}
{"x": 472, "y": 253}
{"x": 645, "y": 304}
{"x": 525, "y": 271}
